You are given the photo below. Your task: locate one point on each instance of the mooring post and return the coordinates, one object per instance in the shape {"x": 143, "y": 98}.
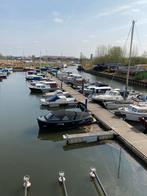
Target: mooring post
{"x": 83, "y": 87}
{"x": 86, "y": 102}
{"x": 61, "y": 84}
{"x": 26, "y": 184}
{"x": 62, "y": 181}
{"x": 94, "y": 175}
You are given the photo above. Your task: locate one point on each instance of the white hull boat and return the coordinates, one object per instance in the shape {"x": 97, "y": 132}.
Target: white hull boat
{"x": 133, "y": 112}
{"x": 57, "y": 101}
{"x": 114, "y": 105}
{"x": 108, "y": 96}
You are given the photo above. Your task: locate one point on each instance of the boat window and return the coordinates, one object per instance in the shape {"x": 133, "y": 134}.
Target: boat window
{"x": 54, "y": 98}
{"x": 134, "y": 110}
{"x": 54, "y": 117}
{"x": 65, "y": 118}
{"x": 48, "y": 115}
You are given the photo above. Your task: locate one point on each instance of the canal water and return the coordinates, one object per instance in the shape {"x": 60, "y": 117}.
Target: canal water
{"x": 23, "y": 150}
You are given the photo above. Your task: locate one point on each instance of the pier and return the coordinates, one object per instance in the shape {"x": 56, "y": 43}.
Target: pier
{"x": 88, "y": 137}
{"x": 130, "y": 136}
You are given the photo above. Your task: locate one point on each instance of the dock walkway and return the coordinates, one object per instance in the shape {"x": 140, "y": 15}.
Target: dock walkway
{"x": 130, "y": 136}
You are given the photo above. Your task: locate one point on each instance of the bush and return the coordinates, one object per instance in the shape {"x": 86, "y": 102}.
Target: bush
{"x": 141, "y": 75}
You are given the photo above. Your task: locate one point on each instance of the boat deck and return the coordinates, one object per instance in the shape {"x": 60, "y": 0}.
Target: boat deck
{"x": 130, "y": 136}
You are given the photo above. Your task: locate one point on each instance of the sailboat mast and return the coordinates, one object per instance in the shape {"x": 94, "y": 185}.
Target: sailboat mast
{"x": 130, "y": 54}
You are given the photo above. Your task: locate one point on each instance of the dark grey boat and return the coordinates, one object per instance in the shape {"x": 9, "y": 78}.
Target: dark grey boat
{"x": 64, "y": 119}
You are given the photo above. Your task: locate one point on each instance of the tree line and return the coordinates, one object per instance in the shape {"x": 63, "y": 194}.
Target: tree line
{"x": 113, "y": 54}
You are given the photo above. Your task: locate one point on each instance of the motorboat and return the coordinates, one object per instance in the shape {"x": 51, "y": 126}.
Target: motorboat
{"x": 114, "y": 105}
{"x": 38, "y": 88}
{"x": 133, "y": 112}
{"x": 108, "y": 96}
{"x": 64, "y": 120}
{"x": 56, "y": 92}
{"x": 34, "y": 77}
{"x": 133, "y": 97}
{"x": 3, "y": 75}
{"x": 43, "y": 86}
{"x": 58, "y": 100}
{"x": 71, "y": 78}
{"x": 93, "y": 89}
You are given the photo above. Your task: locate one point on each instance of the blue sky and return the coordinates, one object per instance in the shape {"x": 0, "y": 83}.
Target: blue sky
{"x": 68, "y": 27}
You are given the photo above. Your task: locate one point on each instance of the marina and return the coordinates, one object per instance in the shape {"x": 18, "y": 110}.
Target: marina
{"x": 43, "y": 155}
{"x": 73, "y": 98}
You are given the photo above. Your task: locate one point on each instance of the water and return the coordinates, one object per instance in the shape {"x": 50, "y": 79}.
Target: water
{"x": 23, "y": 150}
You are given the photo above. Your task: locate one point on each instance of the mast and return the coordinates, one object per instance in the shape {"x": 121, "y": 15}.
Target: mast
{"x": 130, "y": 54}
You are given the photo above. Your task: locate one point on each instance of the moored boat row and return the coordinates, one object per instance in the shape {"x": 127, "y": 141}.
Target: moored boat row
{"x": 72, "y": 114}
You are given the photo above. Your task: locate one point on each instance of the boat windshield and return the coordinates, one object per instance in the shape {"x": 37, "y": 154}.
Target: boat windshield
{"x": 48, "y": 115}
{"x": 53, "y": 98}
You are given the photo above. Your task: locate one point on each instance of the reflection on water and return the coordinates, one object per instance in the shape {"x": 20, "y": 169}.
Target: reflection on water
{"x": 58, "y": 135}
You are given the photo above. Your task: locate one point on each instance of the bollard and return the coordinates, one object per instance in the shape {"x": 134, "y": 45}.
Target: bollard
{"x": 83, "y": 87}
{"x": 61, "y": 84}
{"x": 94, "y": 175}
{"x": 26, "y": 184}
{"x": 86, "y": 102}
{"x": 62, "y": 181}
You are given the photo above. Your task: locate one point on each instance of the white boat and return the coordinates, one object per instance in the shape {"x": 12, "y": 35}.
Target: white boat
{"x": 58, "y": 100}
{"x": 111, "y": 95}
{"x": 43, "y": 86}
{"x": 133, "y": 112}
{"x": 96, "y": 89}
{"x": 70, "y": 78}
{"x": 34, "y": 77}
{"x": 114, "y": 105}
{"x": 39, "y": 88}
{"x": 57, "y": 92}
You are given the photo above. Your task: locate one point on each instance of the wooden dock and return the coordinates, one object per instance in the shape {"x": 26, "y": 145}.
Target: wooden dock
{"x": 130, "y": 136}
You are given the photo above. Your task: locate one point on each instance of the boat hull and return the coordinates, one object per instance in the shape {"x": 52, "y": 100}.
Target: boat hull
{"x": 131, "y": 116}
{"x": 55, "y": 126}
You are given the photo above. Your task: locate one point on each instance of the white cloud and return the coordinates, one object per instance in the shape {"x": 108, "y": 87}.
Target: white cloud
{"x": 58, "y": 20}
{"x": 130, "y": 7}
{"x": 114, "y": 11}
{"x": 136, "y": 10}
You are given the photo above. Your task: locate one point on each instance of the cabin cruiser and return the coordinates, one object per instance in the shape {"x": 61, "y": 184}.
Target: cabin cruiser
{"x": 93, "y": 89}
{"x": 133, "y": 112}
{"x": 64, "y": 120}
{"x": 114, "y": 105}
{"x": 3, "y": 75}
{"x": 58, "y": 100}
{"x": 56, "y": 92}
{"x": 70, "y": 78}
{"x": 34, "y": 77}
{"x": 108, "y": 96}
{"x": 43, "y": 86}
{"x": 130, "y": 99}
